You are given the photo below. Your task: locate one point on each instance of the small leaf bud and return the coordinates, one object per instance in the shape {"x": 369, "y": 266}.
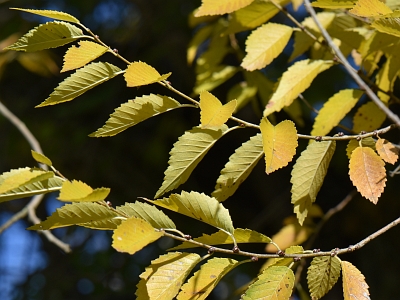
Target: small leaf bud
{"x": 281, "y": 253}
{"x": 296, "y": 259}
{"x": 341, "y": 134}
{"x": 236, "y": 249}
{"x": 254, "y": 258}
{"x": 318, "y": 138}
{"x": 187, "y": 236}
{"x": 211, "y": 250}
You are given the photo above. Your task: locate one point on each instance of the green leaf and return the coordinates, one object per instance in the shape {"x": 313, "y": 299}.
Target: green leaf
{"x": 322, "y": 275}
{"x": 212, "y": 7}
{"x": 308, "y": 175}
{"x": 78, "y": 191}
{"x": 286, "y": 261}
{"x": 186, "y": 153}
{"x": 295, "y": 81}
{"x": 76, "y": 214}
{"x": 165, "y": 276}
{"x": 198, "y": 39}
{"x": 243, "y": 93}
{"x": 40, "y": 158}
{"x": 273, "y": 283}
{"x": 201, "y": 284}
{"x": 264, "y": 85}
{"x": 200, "y": 207}
{"x": 222, "y": 238}
{"x": 19, "y": 177}
{"x": 133, "y": 235}
{"x": 334, "y": 110}
{"x": 81, "y": 81}
{"x": 45, "y": 36}
{"x": 368, "y": 117}
{"x": 388, "y": 25}
{"x": 238, "y": 168}
{"x": 149, "y": 213}
{"x": 53, "y": 14}
{"x": 135, "y": 111}
{"x": 139, "y": 73}
{"x": 365, "y": 142}
{"x": 213, "y": 77}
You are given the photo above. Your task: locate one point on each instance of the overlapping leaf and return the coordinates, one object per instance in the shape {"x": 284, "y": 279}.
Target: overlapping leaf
{"x": 322, "y": 275}
{"x": 334, "y": 4}
{"x": 238, "y": 168}
{"x": 367, "y": 172}
{"x": 354, "y": 285}
{"x": 264, "y": 44}
{"x": 200, "y": 207}
{"x": 77, "y": 57}
{"x": 370, "y": 8}
{"x": 213, "y": 77}
{"x": 40, "y": 158}
{"x": 284, "y": 261}
{"x": 58, "y": 15}
{"x": 295, "y": 81}
{"x": 211, "y": 7}
{"x": 186, "y": 153}
{"x": 243, "y": 93}
{"x": 275, "y": 282}
{"x": 201, "y": 284}
{"x": 49, "y": 35}
{"x": 388, "y": 25}
{"x": 201, "y": 35}
{"x": 308, "y": 175}
{"x": 368, "y": 118}
{"x": 133, "y": 235}
{"x": 81, "y": 81}
{"x": 139, "y": 73}
{"x": 387, "y": 151}
{"x": 222, "y": 238}
{"x": 212, "y": 112}
{"x": 78, "y": 191}
{"x": 20, "y": 177}
{"x": 279, "y": 144}
{"x": 76, "y": 214}
{"x": 365, "y": 142}
{"x": 134, "y": 112}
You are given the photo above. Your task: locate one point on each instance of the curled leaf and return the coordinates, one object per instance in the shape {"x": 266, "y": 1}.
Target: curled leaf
{"x": 139, "y": 73}
{"x": 387, "y": 151}
{"x": 78, "y": 191}
{"x": 77, "y": 57}
{"x": 212, "y": 112}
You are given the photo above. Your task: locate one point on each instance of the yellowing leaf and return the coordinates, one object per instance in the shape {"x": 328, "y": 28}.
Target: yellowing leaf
{"x": 20, "y": 177}
{"x": 322, "y": 275}
{"x": 273, "y": 283}
{"x": 212, "y": 112}
{"x": 220, "y": 7}
{"x": 187, "y": 152}
{"x": 238, "y": 168}
{"x": 243, "y": 93}
{"x": 135, "y": 111}
{"x": 222, "y": 238}
{"x": 77, "y": 57}
{"x": 81, "y": 81}
{"x": 40, "y": 158}
{"x": 53, "y": 14}
{"x": 201, "y": 284}
{"x": 283, "y": 261}
{"x": 295, "y": 81}
{"x": 353, "y": 144}
{"x": 279, "y": 144}
{"x": 368, "y": 118}
{"x": 308, "y": 175}
{"x": 367, "y": 172}
{"x": 289, "y": 235}
{"x": 264, "y": 44}
{"x": 370, "y": 8}
{"x": 198, "y": 39}
{"x": 213, "y": 77}
{"x": 139, "y": 73}
{"x": 354, "y": 285}
{"x": 77, "y": 191}
{"x": 45, "y": 36}
{"x": 387, "y": 151}
{"x": 334, "y": 110}
{"x": 388, "y": 25}
{"x": 334, "y": 4}
{"x": 200, "y": 207}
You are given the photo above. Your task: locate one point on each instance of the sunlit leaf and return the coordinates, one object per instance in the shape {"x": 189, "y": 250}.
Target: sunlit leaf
{"x": 201, "y": 284}
{"x": 365, "y": 142}
{"x": 53, "y": 14}
{"x": 334, "y": 110}
{"x": 279, "y": 144}
{"x": 273, "y": 283}
{"x": 387, "y": 151}
{"x": 186, "y": 153}
{"x": 238, "y": 168}
{"x": 49, "y": 35}
{"x": 19, "y": 177}
{"x": 334, "y": 4}
{"x": 295, "y": 81}
{"x": 133, "y": 235}
{"x": 222, "y": 238}
{"x": 41, "y": 158}
{"x": 367, "y": 172}
{"x": 139, "y": 73}
{"x": 284, "y": 261}
{"x": 322, "y": 275}
{"x": 135, "y": 111}
{"x": 354, "y": 285}
{"x": 76, "y": 214}
{"x": 368, "y": 118}
{"x": 200, "y": 207}
{"x": 77, "y": 57}
{"x": 81, "y": 81}
{"x": 198, "y": 39}
{"x": 212, "y": 112}
{"x": 388, "y": 25}
{"x": 220, "y": 7}
{"x": 264, "y": 44}
{"x": 370, "y": 8}
{"x": 78, "y": 191}
{"x": 149, "y": 213}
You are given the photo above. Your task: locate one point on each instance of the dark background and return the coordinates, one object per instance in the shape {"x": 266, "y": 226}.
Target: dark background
{"x": 133, "y": 162}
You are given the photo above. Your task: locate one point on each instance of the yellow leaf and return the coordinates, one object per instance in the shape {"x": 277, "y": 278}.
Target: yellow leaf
{"x": 283, "y": 261}
{"x": 388, "y": 25}
{"x": 368, "y": 118}
{"x": 367, "y": 172}
{"x": 58, "y": 15}
{"x": 295, "y": 81}
{"x": 289, "y": 235}
{"x": 334, "y": 4}
{"x": 383, "y": 81}
{"x": 264, "y": 44}
{"x": 387, "y": 151}
{"x": 334, "y": 110}
{"x": 134, "y": 234}
{"x": 21, "y": 177}
{"x": 279, "y": 144}
{"x": 77, "y": 57}
{"x": 220, "y": 7}
{"x": 139, "y": 73}
{"x": 370, "y": 8}
{"x": 40, "y": 158}
{"x": 212, "y": 112}
{"x": 354, "y": 285}
{"x": 353, "y": 144}
{"x": 77, "y": 191}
